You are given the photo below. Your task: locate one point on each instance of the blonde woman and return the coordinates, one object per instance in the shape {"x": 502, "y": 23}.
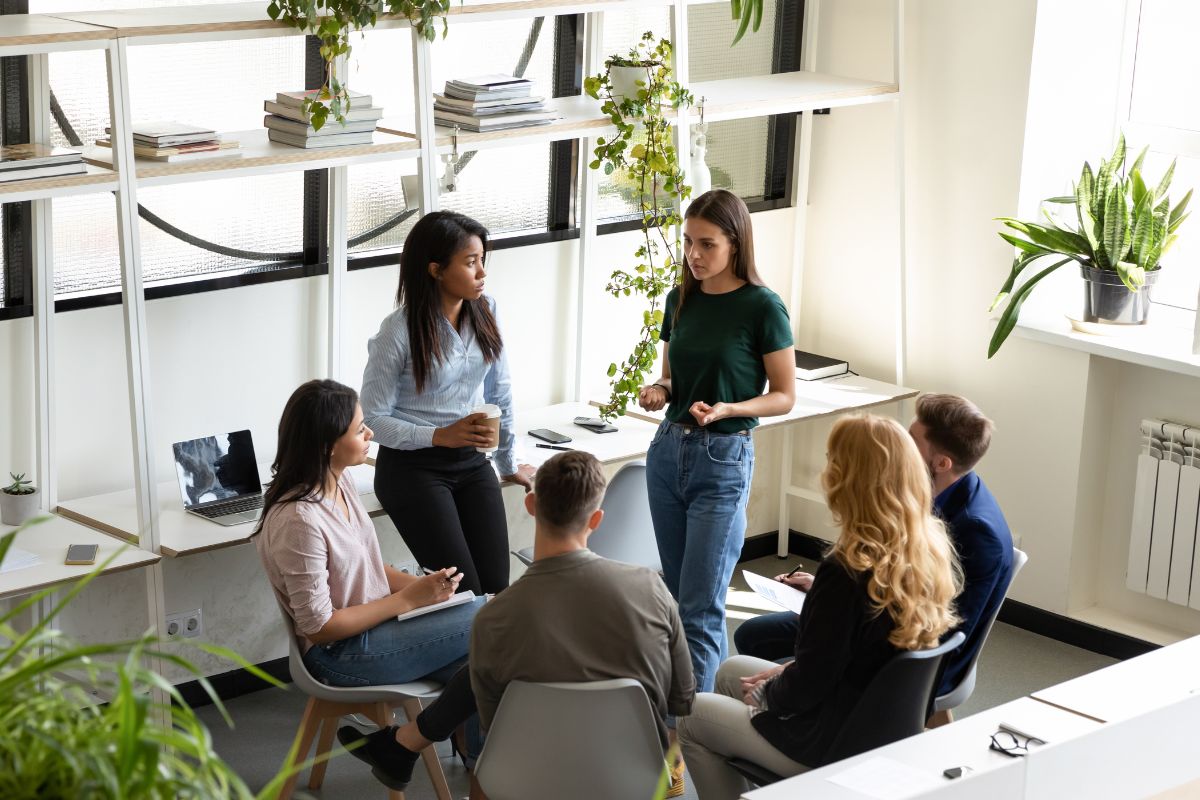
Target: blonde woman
{"x": 888, "y": 585}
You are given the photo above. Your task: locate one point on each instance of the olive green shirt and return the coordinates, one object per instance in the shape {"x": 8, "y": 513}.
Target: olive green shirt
{"x": 580, "y": 617}
{"x": 717, "y": 349}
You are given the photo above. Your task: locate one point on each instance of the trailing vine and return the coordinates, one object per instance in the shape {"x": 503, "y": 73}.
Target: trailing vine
{"x": 332, "y": 21}
{"x": 643, "y": 152}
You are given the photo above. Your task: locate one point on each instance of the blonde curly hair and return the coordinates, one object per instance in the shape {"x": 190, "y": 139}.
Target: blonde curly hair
{"x": 879, "y": 491}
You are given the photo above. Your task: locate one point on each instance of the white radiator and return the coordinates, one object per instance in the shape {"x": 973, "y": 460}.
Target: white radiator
{"x": 1164, "y": 561}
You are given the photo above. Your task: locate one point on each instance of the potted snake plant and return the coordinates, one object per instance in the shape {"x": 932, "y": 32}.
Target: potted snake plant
{"x": 1118, "y": 230}
{"x": 18, "y": 500}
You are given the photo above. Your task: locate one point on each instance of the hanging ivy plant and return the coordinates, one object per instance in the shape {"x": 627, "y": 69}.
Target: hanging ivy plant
{"x": 641, "y": 152}
{"x": 332, "y": 21}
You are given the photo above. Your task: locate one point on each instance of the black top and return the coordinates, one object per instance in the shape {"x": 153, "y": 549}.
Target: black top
{"x": 841, "y": 645}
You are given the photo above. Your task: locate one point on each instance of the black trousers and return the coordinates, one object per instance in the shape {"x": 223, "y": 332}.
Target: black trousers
{"x": 447, "y": 506}
{"x": 453, "y": 707}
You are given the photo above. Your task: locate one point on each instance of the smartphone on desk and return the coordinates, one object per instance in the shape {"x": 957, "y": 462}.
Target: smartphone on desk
{"x": 81, "y": 554}
{"x": 595, "y": 425}
{"x": 547, "y": 435}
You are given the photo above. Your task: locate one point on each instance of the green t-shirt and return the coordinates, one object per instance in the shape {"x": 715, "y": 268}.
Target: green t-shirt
{"x": 717, "y": 349}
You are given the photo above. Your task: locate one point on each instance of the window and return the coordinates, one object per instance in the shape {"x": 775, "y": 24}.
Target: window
{"x": 1161, "y": 115}
{"x": 271, "y": 226}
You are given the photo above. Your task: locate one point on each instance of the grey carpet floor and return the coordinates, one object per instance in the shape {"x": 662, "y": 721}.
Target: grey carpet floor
{"x": 1014, "y": 663}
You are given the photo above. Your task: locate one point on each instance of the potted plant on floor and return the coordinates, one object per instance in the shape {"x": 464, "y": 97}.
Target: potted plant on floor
{"x": 1121, "y": 228}
{"x": 332, "y": 21}
{"x": 18, "y": 500}
{"x": 642, "y": 152}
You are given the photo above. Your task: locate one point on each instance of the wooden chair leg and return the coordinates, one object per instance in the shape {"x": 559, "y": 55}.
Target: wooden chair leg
{"x": 324, "y": 745}
{"x": 433, "y": 766}
{"x": 309, "y": 723}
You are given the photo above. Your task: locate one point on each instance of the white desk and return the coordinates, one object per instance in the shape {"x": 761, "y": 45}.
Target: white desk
{"x": 631, "y": 440}
{"x": 814, "y": 400}
{"x": 180, "y": 533}
{"x": 1132, "y": 687}
{"x": 50, "y": 540}
{"x": 993, "y": 776}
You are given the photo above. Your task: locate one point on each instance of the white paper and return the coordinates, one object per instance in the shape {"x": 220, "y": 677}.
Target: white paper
{"x": 458, "y": 599}
{"x": 780, "y": 594}
{"x": 886, "y": 779}
{"x": 16, "y": 558}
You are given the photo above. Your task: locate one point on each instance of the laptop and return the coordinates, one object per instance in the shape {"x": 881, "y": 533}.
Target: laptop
{"x": 218, "y": 478}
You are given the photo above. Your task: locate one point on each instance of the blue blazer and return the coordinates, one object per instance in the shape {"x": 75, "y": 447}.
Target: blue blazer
{"x": 985, "y": 549}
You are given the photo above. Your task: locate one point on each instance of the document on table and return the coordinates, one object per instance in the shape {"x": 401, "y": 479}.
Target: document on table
{"x": 16, "y": 558}
{"x": 778, "y": 593}
{"x": 886, "y": 779}
{"x": 454, "y": 600}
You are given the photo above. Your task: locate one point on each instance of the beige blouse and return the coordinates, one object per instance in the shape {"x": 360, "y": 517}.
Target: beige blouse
{"x": 319, "y": 561}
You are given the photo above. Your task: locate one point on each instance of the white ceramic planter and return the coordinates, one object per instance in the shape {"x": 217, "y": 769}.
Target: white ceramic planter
{"x": 17, "y": 508}
{"x": 624, "y": 81}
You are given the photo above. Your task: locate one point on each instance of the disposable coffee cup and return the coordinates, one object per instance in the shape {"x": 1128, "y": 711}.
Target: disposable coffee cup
{"x": 492, "y": 421}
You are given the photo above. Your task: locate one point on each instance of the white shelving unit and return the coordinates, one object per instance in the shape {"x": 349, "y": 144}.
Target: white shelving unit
{"x": 115, "y": 32}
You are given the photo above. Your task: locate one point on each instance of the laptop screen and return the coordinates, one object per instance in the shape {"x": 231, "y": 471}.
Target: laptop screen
{"x": 216, "y": 468}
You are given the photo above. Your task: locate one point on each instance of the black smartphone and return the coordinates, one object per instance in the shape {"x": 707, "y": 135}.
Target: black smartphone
{"x": 82, "y": 554}
{"x": 595, "y": 425}
{"x": 547, "y": 435}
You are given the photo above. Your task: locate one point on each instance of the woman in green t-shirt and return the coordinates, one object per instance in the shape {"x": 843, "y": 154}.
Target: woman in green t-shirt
{"x": 725, "y": 338}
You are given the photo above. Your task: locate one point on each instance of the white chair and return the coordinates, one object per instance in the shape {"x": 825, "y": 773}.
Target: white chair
{"x": 583, "y": 741}
{"x": 959, "y": 694}
{"x": 328, "y": 704}
{"x": 627, "y": 534}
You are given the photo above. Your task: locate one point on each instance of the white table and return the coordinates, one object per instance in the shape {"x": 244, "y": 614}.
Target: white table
{"x": 49, "y": 540}
{"x": 1132, "y": 687}
{"x": 631, "y": 440}
{"x": 993, "y": 776}
{"x": 180, "y": 533}
{"x": 814, "y": 400}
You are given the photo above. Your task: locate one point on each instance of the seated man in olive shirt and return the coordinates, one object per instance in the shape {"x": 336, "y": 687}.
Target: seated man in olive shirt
{"x": 577, "y": 616}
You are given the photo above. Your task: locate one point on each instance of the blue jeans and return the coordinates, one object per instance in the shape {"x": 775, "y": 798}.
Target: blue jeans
{"x": 431, "y": 646}
{"x": 699, "y": 483}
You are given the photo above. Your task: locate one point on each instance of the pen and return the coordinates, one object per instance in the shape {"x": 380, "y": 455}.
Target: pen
{"x": 799, "y": 567}
{"x": 551, "y": 447}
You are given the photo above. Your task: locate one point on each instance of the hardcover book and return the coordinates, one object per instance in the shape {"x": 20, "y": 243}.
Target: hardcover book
{"x": 811, "y": 367}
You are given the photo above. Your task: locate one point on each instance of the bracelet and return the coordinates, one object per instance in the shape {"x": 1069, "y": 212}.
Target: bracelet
{"x": 664, "y": 388}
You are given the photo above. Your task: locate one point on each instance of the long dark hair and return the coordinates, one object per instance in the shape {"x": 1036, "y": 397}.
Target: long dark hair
{"x": 315, "y": 417}
{"x": 726, "y": 210}
{"x": 435, "y": 239}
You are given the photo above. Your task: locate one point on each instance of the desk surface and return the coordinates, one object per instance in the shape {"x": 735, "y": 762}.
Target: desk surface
{"x": 961, "y": 744}
{"x": 180, "y": 533}
{"x": 49, "y": 540}
{"x": 823, "y": 398}
{"x": 1131, "y": 687}
{"x": 631, "y": 440}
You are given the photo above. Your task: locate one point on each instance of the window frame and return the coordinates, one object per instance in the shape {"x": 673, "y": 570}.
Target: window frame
{"x": 561, "y": 222}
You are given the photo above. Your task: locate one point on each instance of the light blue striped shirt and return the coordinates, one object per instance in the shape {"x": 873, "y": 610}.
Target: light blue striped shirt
{"x": 404, "y": 419}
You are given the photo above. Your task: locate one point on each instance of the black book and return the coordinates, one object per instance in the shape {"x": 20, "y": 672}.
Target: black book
{"x": 811, "y": 367}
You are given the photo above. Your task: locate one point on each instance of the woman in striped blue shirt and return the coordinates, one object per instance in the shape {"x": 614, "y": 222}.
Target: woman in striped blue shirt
{"x": 436, "y": 358}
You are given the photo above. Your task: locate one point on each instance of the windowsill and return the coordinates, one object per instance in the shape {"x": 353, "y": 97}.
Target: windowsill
{"x": 1165, "y": 342}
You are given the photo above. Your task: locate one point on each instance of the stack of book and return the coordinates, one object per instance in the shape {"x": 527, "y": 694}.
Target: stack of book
{"x": 171, "y": 143}
{"x": 491, "y": 103}
{"x": 288, "y": 124}
{"x": 21, "y": 162}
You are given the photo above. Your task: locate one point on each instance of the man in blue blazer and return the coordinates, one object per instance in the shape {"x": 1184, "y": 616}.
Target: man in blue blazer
{"x": 952, "y": 435}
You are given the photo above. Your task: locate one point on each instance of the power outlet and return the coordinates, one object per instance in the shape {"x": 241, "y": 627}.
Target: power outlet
{"x": 185, "y": 624}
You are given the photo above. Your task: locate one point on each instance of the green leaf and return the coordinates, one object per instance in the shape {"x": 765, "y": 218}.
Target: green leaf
{"x": 1165, "y": 183}
{"x": 1008, "y": 319}
{"x": 747, "y": 12}
{"x": 1066, "y": 199}
{"x": 1177, "y": 213}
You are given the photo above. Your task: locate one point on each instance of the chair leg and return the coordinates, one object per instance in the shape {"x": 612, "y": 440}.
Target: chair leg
{"x": 939, "y": 718}
{"x": 433, "y": 766}
{"x": 307, "y": 732}
{"x": 324, "y": 745}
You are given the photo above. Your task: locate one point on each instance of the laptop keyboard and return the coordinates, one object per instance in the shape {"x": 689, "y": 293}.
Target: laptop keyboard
{"x": 237, "y": 506}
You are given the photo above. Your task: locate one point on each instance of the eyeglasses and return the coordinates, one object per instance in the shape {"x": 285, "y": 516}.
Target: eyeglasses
{"x": 1012, "y": 745}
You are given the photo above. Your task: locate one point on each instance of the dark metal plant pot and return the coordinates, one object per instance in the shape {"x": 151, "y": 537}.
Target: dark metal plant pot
{"x": 1107, "y": 300}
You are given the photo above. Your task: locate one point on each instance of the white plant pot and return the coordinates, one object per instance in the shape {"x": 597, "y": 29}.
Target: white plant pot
{"x": 17, "y": 508}
{"x": 624, "y": 81}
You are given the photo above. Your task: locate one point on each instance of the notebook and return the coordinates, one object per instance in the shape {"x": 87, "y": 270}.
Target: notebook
{"x": 451, "y": 602}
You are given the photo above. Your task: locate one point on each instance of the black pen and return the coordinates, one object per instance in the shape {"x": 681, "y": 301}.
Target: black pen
{"x": 552, "y": 447}
{"x": 799, "y": 567}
